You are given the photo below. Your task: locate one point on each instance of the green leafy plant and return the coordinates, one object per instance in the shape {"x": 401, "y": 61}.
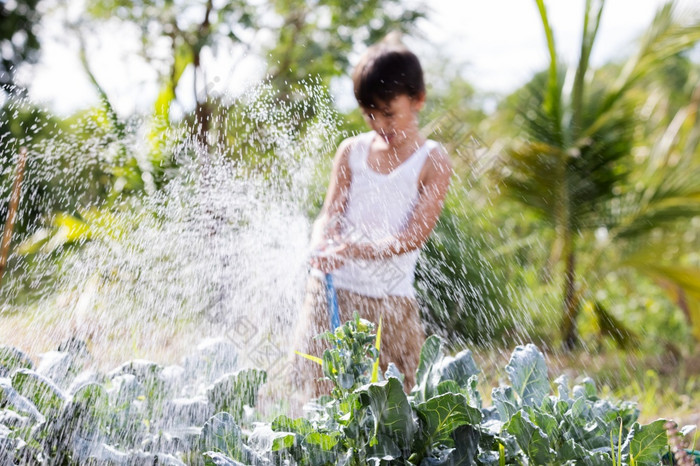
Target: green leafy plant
{"x": 442, "y": 421}
{"x": 129, "y": 416}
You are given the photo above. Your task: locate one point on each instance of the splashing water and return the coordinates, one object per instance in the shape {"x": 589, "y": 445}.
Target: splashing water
{"x": 218, "y": 252}
{"x": 202, "y": 266}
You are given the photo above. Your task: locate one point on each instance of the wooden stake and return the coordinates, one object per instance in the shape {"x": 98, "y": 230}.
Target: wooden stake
{"x": 12, "y": 211}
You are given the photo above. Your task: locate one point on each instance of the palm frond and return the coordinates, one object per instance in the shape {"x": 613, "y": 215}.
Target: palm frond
{"x": 672, "y": 191}
{"x": 682, "y": 132}
{"x": 552, "y": 102}
{"x": 681, "y": 283}
{"x": 530, "y": 177}
{"x": 590, "y": 31}
{"x": 665, "y": 38}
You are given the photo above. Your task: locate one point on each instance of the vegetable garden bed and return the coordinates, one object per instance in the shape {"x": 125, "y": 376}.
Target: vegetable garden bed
{"x": 54, "y": 415}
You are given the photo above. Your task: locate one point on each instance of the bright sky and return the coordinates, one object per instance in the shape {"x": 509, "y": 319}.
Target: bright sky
{"x": 501, "y": 41}
{"x": 504, "y": 42}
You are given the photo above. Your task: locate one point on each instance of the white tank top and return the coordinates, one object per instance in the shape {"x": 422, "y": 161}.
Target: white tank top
{"x": 379, "y": 206}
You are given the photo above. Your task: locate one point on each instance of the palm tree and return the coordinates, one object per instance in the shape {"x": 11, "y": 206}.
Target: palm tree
{"x": 575, "y": 159}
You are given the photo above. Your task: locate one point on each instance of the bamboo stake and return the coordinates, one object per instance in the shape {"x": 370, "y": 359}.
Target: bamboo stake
{"x": 12, "y": 211}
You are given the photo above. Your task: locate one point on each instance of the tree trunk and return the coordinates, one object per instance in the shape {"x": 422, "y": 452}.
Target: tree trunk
{"x": 202, "y": 113}
{"x": 12, "y": 209}
{"x": 571, "y": 305}
{"x": 203, "y": 116}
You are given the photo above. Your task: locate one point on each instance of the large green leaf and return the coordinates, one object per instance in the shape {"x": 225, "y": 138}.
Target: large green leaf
{"x": 547, "y": 422}
{"x": 300, "y": 425}
{"x": 504, "y": 400}
{"x": 18, "y": 403}
{"x": 570, "y": 450}
{"x": 580, "y": 412}
{"x": 562, "y": 383}
{"x": 443, "y": 414}
{"x": 527, "y": 372}
{"x": 438, "y": 373}
{"x": 263, "y": 439}
{"x": 383, "y": 450}
{"x": 458, "y": 368}
{"x": 646, "y": 444}
{"x": 530, "y": 438}
{"x": 472, "y": 392}
{"x": 466, "y": 440}
{"x": 11, "y": 358}
{"x": 41, "y": 391}
{"x": 101, "y": 453}
{"x": 441, "y": 456}
{"x": 392, "y": 412}
{"x": 221, "y": 434}
{"x": 430, "y": 354}
{"x": 282, "y": 441}
{"x": 212, "y": 458}
{"x": 448, "y": 386}
{"x": 324, "y": 441}
{"x": 231, "y": 392}
{"x": 88, "y": 411}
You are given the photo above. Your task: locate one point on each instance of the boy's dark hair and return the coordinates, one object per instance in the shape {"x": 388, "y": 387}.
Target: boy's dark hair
{"x": 385, "y": 71}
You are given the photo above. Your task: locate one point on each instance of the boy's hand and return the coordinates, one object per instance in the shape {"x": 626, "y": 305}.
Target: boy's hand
{"x": 329, "y": 257}
{"x": 364, "y": 251}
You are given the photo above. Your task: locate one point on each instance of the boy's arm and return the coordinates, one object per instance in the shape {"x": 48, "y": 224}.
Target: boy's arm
{"x": 433, "y": 185}
{"x": 327, "y": 224}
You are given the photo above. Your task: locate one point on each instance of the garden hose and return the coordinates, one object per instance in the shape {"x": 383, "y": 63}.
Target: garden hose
{"x": 332, "y": 303}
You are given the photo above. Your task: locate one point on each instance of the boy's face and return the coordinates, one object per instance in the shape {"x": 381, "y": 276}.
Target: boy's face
{"x": 396, "y": 120}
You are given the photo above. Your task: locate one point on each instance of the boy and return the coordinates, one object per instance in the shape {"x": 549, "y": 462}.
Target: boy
{"x": 385, "y": 195}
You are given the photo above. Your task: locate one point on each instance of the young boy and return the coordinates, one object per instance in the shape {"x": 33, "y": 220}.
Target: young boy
{"x": 385, "y": 195}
